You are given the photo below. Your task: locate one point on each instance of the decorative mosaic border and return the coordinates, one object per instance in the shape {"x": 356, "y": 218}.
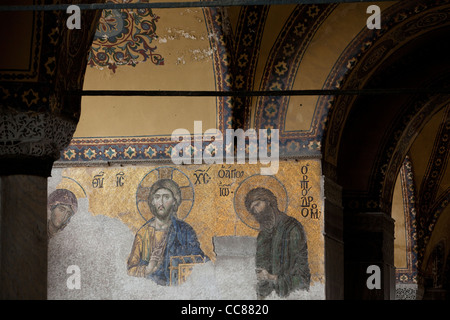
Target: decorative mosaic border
{"x": 408, "y": 275}
{"x": 436, "y": 167}
{"x": 125, "y": 149}
{"x": 219, "y": 43}
{"x": 246, "y": 51}
{"x": 431, "y": 204}
{"x": 280, "y": 73}
{"x": 420, "y": 110}
{"x": 424, "y": 233}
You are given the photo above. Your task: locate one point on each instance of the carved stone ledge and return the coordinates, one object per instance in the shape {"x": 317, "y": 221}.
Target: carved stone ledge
{"x": 31, "y": 142}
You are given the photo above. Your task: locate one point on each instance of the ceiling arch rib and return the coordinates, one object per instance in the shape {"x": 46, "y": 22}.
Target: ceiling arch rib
{"x": 404, "y": 21}
{"x": 361, "y": 142}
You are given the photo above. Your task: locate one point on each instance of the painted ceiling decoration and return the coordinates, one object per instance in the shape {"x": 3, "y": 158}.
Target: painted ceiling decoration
{"x": 159, "y": 148}
{"x": 124, "y": 37}
{"x": 234, "y": 60}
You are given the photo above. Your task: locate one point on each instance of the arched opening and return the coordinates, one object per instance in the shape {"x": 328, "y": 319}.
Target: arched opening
{"x": 368, "y": 138}
{"x": 420, "y": 208}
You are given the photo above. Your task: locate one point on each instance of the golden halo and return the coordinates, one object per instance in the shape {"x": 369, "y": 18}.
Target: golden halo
{"x": 165, "y": 172}
{"x": 255, "y": 181}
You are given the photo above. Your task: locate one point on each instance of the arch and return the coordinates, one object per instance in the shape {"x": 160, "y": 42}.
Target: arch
{"x": 280, "y": 73}
{"x": 403, "y": 23}
{"x": 367, "y": 137}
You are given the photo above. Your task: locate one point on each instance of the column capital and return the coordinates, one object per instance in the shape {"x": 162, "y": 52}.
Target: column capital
{"x": 38, "y": 113}
{"x": 30, "y": 142}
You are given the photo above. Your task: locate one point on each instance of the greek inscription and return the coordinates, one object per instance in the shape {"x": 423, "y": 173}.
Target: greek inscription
{"x": 304, "y": 185}
{"x": 309, "y": 208}
{"x": 224, "y": 192}
{"x": 305, "y": 212}
{"x": 304, "y": 169}
{"x": 224, "y": 189}
{"x": 97, "y": 182}
{"x": 314, "y": 211}
{"x": 229, "y": 173}
{"x": 306, "y": 201}
{"x": 201, "y": 176}
{"x": 120, "y": 179}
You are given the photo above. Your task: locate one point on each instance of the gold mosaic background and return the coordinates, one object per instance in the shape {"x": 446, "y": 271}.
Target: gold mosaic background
{"x": 213, "y": 195}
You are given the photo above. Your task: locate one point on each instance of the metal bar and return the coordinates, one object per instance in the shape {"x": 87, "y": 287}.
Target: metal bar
{"x": 319, "y": 92}
{"x": 167, "y": 5}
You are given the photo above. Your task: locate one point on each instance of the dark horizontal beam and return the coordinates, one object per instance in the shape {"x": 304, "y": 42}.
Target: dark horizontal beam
{"x": 319, "y": 92}
{"x": 167, "y": 5}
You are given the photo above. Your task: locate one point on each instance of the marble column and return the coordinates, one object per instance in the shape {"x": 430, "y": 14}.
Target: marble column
{"x": 23, "y": 254}
{"x": 38, "y": 117}
{"x": 29, "y": 144}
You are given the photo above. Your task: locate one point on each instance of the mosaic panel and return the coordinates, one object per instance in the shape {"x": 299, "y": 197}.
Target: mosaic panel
{"x": 226, "y": 224}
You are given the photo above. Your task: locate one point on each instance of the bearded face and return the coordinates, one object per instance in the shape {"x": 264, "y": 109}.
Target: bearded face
{"x": 162, "y": 204}
{"x": 263, "y": 213}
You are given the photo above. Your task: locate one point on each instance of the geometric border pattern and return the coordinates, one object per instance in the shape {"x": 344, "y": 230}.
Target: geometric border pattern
{"x": 245, "y": 51}
{"x": 280, "y": 73}
{"x": 408, "y": 275}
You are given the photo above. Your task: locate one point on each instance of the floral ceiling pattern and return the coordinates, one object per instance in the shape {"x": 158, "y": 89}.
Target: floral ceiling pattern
{"x": 125, "y": 37}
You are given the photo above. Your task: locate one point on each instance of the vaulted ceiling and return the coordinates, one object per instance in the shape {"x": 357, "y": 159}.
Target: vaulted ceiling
{"x": 275, "y": 48}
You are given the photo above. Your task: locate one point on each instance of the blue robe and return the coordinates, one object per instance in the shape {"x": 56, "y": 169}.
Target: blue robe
{"x": 181, "y": 241}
